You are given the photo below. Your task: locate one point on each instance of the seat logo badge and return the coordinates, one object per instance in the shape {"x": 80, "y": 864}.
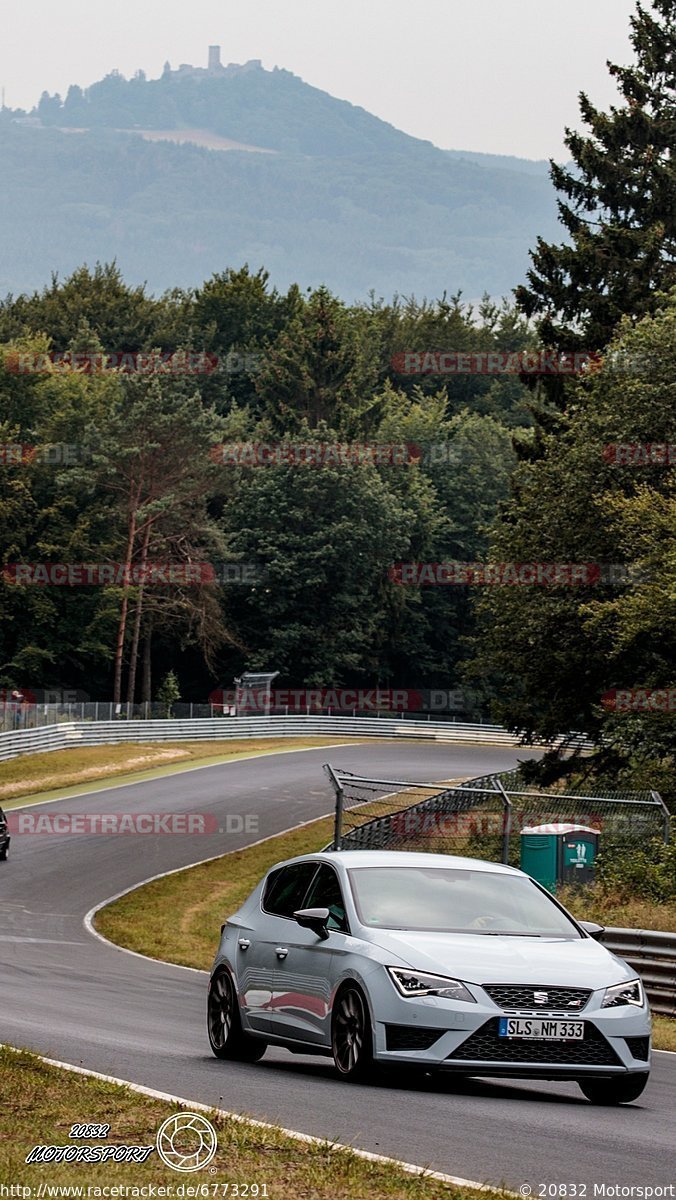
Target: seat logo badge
{"x": 540, "y": 997}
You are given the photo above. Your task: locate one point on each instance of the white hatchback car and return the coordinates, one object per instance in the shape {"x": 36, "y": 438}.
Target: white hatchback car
{"x": 431, "y": 961}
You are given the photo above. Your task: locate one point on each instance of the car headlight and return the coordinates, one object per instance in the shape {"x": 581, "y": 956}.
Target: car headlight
{"x": 416, "y": 983}
{"x": 624, "y": 993}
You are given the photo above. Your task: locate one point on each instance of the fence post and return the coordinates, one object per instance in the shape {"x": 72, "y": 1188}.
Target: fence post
{"x": 506, "y": 819}
{"x": 340, "y": 797}
{"x": 666, "y": 815}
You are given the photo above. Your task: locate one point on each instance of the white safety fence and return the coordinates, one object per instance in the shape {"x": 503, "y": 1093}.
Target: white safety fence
{"x": 99, "y": 733}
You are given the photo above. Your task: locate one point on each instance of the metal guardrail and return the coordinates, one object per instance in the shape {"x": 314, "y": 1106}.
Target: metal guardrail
{"x": 653, "y": 955}
{"x": 98, "y": 733}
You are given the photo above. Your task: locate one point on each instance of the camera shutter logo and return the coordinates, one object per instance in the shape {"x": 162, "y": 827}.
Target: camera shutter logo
{"x": 186, "y": 1142}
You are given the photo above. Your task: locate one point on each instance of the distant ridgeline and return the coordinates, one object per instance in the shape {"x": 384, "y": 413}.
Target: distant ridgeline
{"x": 275, "y": 109}
{"x": 313, "y": 188}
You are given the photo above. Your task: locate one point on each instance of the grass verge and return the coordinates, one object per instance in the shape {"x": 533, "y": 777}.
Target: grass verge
{"x": 593, "y": 904}
{"x": 39, "y": 1104}
{"x": 43, "y": 775}
{"x": 664, "y": 1033}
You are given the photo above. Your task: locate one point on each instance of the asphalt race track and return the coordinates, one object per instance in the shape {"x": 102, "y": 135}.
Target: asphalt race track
{"x": 65, "y": 994}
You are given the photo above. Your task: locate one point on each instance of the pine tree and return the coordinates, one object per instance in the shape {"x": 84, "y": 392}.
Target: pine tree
{"x": 617, "y": 203}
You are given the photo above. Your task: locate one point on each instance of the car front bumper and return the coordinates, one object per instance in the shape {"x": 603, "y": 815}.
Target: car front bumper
{"x": 437, "y": 1034}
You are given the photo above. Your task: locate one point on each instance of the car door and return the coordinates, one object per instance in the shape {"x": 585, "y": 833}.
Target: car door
{"x": 255, "y": 978}
{"x": 258, "y": 947}
{"x": 303, "y": 975}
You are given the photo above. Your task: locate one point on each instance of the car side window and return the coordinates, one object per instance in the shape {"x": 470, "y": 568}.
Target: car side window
{"x": 285, "y": 889}
{"x": 325, "y": 893}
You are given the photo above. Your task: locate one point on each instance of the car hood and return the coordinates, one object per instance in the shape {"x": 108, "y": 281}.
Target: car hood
{"x": 479, "y": 958}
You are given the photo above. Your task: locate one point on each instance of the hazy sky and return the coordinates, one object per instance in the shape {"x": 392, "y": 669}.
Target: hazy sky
{"x": 494, "y": 75}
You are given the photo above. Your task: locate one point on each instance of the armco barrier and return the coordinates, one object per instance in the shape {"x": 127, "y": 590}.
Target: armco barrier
{"x": 98, "y": 733}
{"x": 653, "y": 956}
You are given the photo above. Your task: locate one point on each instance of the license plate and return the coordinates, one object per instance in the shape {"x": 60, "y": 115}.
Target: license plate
{"x": 550, "y": 1031}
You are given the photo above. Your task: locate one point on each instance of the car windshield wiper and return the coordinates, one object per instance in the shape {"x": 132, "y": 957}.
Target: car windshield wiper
{"x": 503, "y": 933}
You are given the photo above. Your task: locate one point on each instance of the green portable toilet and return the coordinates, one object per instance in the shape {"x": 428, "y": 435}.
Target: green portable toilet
{"x": 559, "y": 853}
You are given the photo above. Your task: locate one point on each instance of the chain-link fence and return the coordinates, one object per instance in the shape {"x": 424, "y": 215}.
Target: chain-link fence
{"x": 27, "y": 714}
{"x": 484, "y": 817}
{"x": 14, "y": 717}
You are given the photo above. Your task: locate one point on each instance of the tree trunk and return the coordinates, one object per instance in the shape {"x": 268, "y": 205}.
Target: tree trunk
{"x": 122, "y": 626}
{"x": 146, "y": 684}
{"x": 136, "y": 635}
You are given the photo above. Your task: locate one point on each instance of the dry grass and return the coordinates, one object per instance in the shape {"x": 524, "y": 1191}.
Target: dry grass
{"x": 664, "y": 1033}
{"x": 593, "y": 904}
{"x": 39, "y": 1103}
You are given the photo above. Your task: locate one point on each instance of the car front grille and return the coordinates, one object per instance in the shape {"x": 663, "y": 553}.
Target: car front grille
{"x": 639, "y": 1047}
{"x": 486, "y": 1045}
{"x": 507, "y": 996}
{"x": 411, "y": 1037}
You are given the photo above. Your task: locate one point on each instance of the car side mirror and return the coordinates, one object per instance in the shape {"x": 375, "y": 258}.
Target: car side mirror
{"x": 595, "y": 931}
{"x": 315, "y": 919}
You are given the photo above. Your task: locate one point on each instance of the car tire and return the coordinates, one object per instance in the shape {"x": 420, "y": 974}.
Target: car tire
{"x": 3, "y": 853}
{"x": 351, "y": 1034}
{"x": 620, "y": 1090}
{"x": 224, "y": 1023}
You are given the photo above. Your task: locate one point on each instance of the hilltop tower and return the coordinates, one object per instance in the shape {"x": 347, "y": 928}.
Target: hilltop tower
{"x": 215, "y": 58}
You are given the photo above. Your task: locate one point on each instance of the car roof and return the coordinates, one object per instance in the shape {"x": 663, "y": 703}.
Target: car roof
{"x": 401, "y": 858}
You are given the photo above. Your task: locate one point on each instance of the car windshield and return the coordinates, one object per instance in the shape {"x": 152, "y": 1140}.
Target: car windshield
{"x": 445, "y": 899}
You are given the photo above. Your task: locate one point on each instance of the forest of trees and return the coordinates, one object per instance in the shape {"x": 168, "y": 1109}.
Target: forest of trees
{"x": 145, "y": 482}
{"x": 297, "y": 559}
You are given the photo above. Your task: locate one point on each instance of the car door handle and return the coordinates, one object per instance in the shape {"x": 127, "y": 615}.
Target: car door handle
{"x": 281, "y": 951}
{"x": 244, "y": 943}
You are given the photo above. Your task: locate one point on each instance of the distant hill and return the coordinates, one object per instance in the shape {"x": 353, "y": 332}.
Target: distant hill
{"x": 260, "y": 167}
{"x": 504, "y": 162}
